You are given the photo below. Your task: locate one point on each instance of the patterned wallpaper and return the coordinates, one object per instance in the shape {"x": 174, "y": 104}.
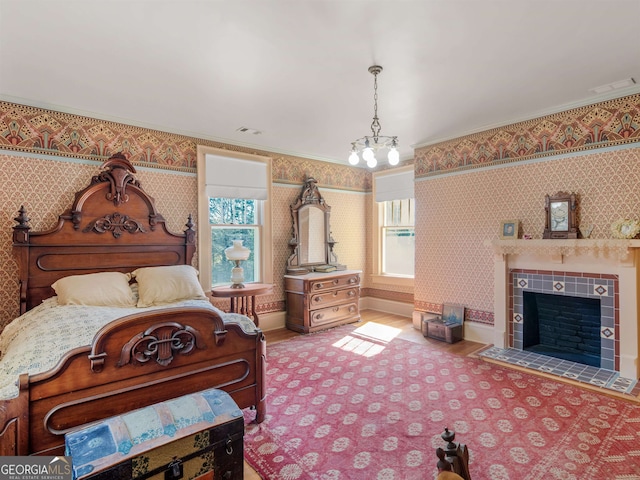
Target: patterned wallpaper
{"x": 46, "y": 187}
{"x": 455, "y": 215}
{"x": 31, "y": 177}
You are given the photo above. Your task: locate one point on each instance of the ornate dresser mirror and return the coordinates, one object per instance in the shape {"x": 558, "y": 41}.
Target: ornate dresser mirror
{"x": 560, "y": 216}
{"x": 311, "y": 241}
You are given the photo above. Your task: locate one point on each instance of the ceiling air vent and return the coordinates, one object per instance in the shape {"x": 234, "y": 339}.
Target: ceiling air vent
{"x": 248, "y": 130}
{"x": 627, "y": 82}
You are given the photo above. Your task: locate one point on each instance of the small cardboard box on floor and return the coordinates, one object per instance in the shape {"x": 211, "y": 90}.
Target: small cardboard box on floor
{"x": 195, "y": 436}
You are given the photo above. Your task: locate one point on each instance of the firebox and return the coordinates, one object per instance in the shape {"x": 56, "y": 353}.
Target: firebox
{"x": 560, "y": 326}
{"x": 565, "y": 315}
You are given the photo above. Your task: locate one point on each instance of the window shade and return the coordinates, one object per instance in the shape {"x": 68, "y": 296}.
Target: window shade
{"x": 394, "y": 186}
{"x": 235, "y": 178}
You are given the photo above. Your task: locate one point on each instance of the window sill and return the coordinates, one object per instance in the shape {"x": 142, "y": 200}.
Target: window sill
{"x": 392, "y": 280}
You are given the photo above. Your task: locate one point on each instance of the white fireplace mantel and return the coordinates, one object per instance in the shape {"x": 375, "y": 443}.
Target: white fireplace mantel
{"x": 615, "y": 249}
{"x": 598, "y": 256}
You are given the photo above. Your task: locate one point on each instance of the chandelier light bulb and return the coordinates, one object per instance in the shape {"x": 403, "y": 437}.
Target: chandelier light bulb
{"x": 372, "y": 162}
{"x": 368, "y": 155}
{"x": 353, "y": 158}
{"x": 393, "y": 156}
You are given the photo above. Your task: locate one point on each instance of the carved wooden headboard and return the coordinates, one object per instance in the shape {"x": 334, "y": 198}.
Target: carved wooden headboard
{"x": 112, "y": 225}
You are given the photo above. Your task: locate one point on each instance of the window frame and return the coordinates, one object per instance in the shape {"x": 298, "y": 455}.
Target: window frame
{"x": 204, "y": 227}
{"x": 378, "y": 277}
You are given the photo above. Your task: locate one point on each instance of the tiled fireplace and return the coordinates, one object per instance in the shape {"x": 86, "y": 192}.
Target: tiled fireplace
{"x": 571, "y": 337}
{"x": 605, "y": 271}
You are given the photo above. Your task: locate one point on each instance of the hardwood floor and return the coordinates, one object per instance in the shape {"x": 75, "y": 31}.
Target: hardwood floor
{"x": 407, "y": 332}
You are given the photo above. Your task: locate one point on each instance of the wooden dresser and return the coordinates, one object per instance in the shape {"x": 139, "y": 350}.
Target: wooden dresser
{"x": 317, "y": 301}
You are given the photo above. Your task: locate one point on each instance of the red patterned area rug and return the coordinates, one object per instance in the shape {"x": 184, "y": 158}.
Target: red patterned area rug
{"x": 357, "y": 403}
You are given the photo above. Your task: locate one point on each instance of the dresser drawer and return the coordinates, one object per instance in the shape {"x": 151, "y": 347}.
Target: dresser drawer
{"x": 336, "y": 282}
{"x": 333, "y": 314}
{"x": 333, "y": 297}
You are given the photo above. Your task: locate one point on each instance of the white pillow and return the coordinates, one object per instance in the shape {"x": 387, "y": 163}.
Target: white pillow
{"x": 162, "y": 285}
{"x": 105, "y": 289}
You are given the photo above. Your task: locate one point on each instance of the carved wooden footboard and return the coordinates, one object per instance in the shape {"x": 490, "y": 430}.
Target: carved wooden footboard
{"x": 134, "y": 362}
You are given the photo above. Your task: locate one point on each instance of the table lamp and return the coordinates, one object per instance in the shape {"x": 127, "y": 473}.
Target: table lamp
{"x": 237, "y": 253}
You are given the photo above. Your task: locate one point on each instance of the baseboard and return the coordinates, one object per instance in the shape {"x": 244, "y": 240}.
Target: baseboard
{"x": 272, "y": 320}
{"x": 387, "y": 306}
{"x": 478, "y": 332}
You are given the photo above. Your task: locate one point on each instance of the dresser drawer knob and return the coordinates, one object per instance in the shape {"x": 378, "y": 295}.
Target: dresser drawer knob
{"x": 351, "y": 293}
{"x": 317, "y": 299}
{"x": 352, "y": 280}
{"x": 336, "y": 281}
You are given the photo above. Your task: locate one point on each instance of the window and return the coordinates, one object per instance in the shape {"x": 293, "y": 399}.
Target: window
{"x": 233, "y": 204}
{"x": 234, "y": 219}
{"x": 394, "y": 227}
{"x": 398, "y": 237}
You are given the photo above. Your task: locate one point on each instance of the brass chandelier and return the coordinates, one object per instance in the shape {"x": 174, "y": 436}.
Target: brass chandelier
{"x": 369, "y": 145}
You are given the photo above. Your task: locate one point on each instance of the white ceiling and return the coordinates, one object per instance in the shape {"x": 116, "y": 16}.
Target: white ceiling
{"x": 297, "y": 70}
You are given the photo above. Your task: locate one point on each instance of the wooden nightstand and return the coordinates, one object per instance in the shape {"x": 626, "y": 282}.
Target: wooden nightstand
{"x": 243, "y": 300}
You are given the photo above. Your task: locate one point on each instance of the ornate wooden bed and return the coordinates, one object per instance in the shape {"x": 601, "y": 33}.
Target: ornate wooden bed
{"x": 113, "y": 225}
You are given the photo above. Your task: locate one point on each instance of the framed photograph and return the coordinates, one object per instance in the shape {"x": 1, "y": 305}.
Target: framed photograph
{"x": 560, "y": 216}
{"x": 509, "y": 229}
{"x": 625, "y": 228}
{"x": 452, "y": 314}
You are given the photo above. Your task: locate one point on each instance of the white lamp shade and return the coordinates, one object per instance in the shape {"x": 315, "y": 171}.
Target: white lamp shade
{"x": 237, "y": 251}
{"x": 371, "y": 163}
{"x": 353, "y": 158}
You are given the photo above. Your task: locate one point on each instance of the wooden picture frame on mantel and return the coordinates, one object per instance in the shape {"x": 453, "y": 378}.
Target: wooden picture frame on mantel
{"x": 560, "y": 216}
{"x": 509, "y": 229}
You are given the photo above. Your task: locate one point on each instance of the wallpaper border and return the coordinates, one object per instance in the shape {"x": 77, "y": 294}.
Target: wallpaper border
{"x": 600, "y": 125}
{"x": 41, "y": 131}
{"x": 470, "y": 314}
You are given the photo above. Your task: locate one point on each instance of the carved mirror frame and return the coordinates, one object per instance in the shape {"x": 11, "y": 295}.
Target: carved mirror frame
{"x": 560, "y": 216}
{"x": 310, "y": 198}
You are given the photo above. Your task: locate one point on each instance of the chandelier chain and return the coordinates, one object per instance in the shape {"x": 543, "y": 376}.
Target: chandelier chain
{"x": 375, "y": 125}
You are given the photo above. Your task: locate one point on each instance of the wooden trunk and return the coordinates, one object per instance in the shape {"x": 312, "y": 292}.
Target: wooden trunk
{"x": 194, "y": 436}
{"x": 439, "y": 330}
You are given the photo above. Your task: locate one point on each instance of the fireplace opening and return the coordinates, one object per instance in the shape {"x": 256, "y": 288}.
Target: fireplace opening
{"x": 562, "y": 326}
